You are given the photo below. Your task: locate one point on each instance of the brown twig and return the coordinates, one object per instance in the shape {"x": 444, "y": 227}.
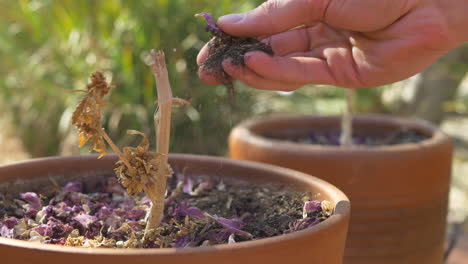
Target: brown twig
{"x": 346, "y": 138}
{"x": 116, "y": 150}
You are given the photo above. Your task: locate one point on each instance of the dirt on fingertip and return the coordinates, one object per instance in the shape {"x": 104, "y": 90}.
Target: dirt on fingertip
{"x": 230, "y": 48}
{"x": 224, "y": 46}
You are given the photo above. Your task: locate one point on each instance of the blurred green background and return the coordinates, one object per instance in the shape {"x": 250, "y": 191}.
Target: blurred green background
{"x": 48, "y": 48}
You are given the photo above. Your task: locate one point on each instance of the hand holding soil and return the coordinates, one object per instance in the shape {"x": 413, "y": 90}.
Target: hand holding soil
{"x": 354, "y": 43}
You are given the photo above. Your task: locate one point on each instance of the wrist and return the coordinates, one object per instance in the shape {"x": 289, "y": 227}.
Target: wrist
{"x": 456, "y": 14}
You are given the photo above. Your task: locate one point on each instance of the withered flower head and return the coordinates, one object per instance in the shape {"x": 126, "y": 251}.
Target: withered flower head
{"x": 145, "y": 163}
{"x": 74, "y": 239}
{"x": 87, "y": 115}
{"x": 98, "y": 86}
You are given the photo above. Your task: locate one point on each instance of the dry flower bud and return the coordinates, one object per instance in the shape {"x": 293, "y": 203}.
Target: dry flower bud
{"x": 145, "y": 163}
{"x": 327, "y": 207}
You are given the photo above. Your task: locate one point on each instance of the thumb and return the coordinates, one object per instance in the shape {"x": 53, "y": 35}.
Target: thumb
{"x": 274, "y": 16}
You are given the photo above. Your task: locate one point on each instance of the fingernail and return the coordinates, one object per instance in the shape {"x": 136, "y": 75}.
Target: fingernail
{"x": 231, "y": 18}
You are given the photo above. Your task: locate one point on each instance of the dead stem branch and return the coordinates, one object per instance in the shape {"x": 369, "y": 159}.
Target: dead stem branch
{"x": 162, "y": 123}
{"x": 117, "y": 151}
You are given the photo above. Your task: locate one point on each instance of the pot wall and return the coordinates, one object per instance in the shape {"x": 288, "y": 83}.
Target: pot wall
{"x": 399, "y": 193}
{"x": 323, "y": 243}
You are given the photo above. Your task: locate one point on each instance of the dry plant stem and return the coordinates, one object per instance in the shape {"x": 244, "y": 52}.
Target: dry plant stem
{"x": 346, "y": 138}
{"x": 116, "y": 150}
{"x": 162, "y": 122}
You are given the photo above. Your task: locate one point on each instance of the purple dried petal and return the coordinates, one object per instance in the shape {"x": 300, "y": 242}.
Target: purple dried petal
{"x": 10, "y": 222}
{"x": 208, "y": 17}
{"x": 73, "y": 187}
{"x": 188, "y": 185}
{"x": 61, "y": 211}
{"x": 84, "y": 219}
{"x": 232, "y": 225}
{"x": 7, "y": 232}
{"x": 128, "y": 202}
{"x": 93, "y": 229}
{"x": 32, "y": 199}
{"x": 48, "y": 211}
{"x": 118, "y": 235}
{"x": 182, "y": 242}
{"x": 44, "y": 230}
{"x": 63, "y": 207}
{"x": 56, "y": 229}
{"x": 74, "y": 198}
{"x": 310, "y": 207}
{"x": 209, "y": 20}
{"x": 219, "y": 237}
{"x": 183, "y": 210}
{"x": 195, "y": 212}
{"x": 103, "y": 213}
{"x": 76, "y": 209}
{"x": 301, "y": 224}
{"x": 335, "y": 140}
{"x": 136, "y": 214}
{"x": 211, "y": 26}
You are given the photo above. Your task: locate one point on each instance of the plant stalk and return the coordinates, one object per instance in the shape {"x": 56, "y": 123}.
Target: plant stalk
{"x": 346, "y": 138}
{"x": 162, "y": 123}
{"x": 117, "y": 150}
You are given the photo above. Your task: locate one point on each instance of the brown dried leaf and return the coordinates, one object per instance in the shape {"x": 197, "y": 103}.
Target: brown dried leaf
{"x": 144, "y": 141}
{"x": 87, "y": 115}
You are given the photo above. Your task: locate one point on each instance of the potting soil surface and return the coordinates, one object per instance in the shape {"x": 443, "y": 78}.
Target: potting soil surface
{"x": 198, "y": 212}
{"x": 332, "y": 137}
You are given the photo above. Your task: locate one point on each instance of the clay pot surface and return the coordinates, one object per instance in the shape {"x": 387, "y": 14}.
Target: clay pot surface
{"x": 323, "y": 243}
{"x": 399, "y": 192}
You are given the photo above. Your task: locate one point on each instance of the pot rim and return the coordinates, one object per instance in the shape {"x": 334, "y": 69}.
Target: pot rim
{"x": 246, "y": 131}
{"x": 342, "y": 209}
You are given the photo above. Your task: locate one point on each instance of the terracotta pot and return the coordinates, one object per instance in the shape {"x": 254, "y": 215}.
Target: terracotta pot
{"x": 323, "y": 243}
{"x": 399, "y": 193}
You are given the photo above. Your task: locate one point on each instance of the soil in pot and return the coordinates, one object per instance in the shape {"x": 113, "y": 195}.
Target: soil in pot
{"x": 332, "y": 137}
{"x": 199, "y": 212}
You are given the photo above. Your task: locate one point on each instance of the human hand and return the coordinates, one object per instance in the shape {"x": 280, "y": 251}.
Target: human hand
{"x": 348, "y": 43}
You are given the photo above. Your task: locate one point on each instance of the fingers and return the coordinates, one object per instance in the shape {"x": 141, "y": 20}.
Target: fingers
{"x": 202, "y": 54}
{"x": 274, "y": 16}
{"x": 305, "y": 39}
{"x": 205, "y": 76}
{"x": 366, "y": 15}
{"x": 254, "y": 80}
{"x": 302, "y": 70}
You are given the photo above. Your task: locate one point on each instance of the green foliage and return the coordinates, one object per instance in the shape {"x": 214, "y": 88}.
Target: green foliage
{"x": 49, "y": 48}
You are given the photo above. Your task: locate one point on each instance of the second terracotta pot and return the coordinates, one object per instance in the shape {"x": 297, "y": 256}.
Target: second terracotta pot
{"x": 399, "y": 193}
